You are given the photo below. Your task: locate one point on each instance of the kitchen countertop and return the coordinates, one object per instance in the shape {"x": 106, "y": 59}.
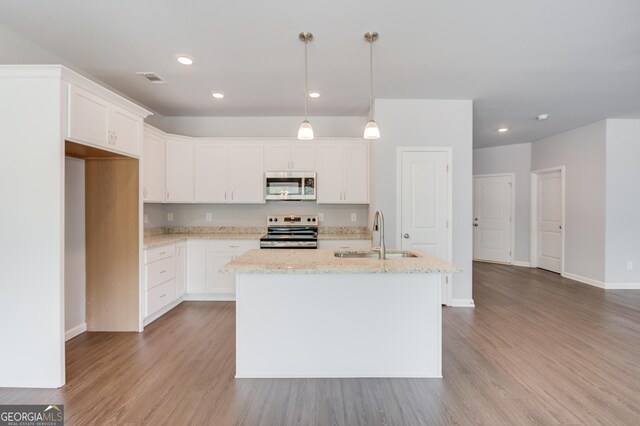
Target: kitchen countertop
{"x": 158, "y": 239}
{"x": 323, "y": 261}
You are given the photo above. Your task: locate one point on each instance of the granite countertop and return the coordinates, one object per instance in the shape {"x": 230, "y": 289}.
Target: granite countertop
{"x": 297, "y": 261}
{"x": 166, "y": 235}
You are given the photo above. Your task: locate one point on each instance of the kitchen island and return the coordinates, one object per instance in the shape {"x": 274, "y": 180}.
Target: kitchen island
{"x": 308, "y": 313}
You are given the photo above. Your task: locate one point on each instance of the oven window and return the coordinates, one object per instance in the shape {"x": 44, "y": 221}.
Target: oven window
{"x": 284, "y": 186}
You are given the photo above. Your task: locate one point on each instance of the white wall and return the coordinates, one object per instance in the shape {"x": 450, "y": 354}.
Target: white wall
{"x": 435, "y": 123}
{"x": 261, "y": 126}
{"x": 251, "y": 214}
{"x": 31, "y": 223}
{"x": 623, "y": 202}
{"x": 511, "y": 159}
{"x": 582, "y": 151}
{"x": 75, "y": 279}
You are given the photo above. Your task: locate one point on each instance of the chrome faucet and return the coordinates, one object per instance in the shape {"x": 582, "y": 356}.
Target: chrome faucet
{"x": 378, "y": 225}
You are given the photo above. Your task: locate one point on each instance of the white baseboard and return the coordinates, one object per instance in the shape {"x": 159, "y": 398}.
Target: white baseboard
{"x": 519, "y": 263}
{"x": 75, "y": 331}
{"x": 461, "y": 303}
{"x": 583, "y": 280}
{"x": 622, "y": 286}
{"x": 209, "y": 297}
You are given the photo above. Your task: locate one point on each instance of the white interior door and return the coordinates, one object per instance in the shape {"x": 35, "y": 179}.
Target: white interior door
{"x": 549, "y": 212}
{"x": 424, "y": 203}
{"x": 492, "y": 216}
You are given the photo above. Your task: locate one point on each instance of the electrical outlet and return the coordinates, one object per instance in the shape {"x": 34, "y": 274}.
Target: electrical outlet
{"x": 354, "y": 217}
{"x": 146, "y": 218}
{"x": 209, "y": 217}
{"x": 169, "y": 217}
{"x": 629, "y": 265}
{"x": 321, "y": 217}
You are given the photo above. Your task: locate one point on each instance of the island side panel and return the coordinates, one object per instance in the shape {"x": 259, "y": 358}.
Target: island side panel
{"x": 338, "y": 325}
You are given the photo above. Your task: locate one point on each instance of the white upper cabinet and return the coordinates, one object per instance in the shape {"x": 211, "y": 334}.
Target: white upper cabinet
{"x": 179, "y": 170}
{"x": 88, "y": 117}
{"x": 95, "y": 121}
{"x": 343, "y": 173}
{"x": 153, "y": 159}
{"x": 211, "y": 173}
{"x": 296, "y": 156}
{"x": 246, "y": 173}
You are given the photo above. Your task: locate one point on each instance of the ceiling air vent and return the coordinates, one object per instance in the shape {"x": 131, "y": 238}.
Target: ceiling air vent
{"x": 152, "y": 77}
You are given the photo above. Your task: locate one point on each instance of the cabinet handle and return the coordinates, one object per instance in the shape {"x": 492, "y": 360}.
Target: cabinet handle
{"x": 115, "y": 138}
{"x": 163, "y": 295}
{"x": 144, "y": 193}
{"x": 225, "y": 195}
{"x": 232, "y": 195}
{"x": 163, "y": 271}
{"x": 162, "y": 252}
{"x": 345, "y": 195}
{"x": 167, "y": 195}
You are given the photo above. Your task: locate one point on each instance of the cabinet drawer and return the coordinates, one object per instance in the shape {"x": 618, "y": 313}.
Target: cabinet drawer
{"x": 160, "y": 271}
{"x": 161, "y": 296}
{"x": 234, "y": 246}
{"x": 157, "y": 253}
{"x": 344, "y": 244}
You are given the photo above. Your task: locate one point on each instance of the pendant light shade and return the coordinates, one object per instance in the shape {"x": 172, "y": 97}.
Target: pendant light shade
{"x": 371, "y": 130}
{"x": 305, "y": 131}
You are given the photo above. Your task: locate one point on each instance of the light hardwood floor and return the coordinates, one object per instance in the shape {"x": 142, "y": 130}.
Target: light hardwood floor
{"x": 537, "y": 349}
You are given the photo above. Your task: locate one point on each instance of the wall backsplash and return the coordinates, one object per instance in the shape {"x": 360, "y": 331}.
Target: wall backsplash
{"x": 251, "y": 214}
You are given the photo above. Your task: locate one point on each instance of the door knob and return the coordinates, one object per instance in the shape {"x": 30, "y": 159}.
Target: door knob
{"x": 406, "y": 235}
{"x": 475, "y": 224}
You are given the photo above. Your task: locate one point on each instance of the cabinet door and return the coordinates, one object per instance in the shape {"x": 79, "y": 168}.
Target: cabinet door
{"x": 211, "y": 170}
{"x": 344, "y": 244}
{"x": 179, "y": 171}
{"x": 88, "y": 118}
{"x": 329, "y": 173}
{"x": 181, "y": 269}
{"x": 303, "y": 157}
{"x": 355, "y": 176}
{"x": 196, "y": 266}
{"x": 277, "y": 157}
{"x": 125, "y": 130}
{"x": 153, "y": 163}
{"x": 217, "y": 282}
{"x": 246, "y": 173}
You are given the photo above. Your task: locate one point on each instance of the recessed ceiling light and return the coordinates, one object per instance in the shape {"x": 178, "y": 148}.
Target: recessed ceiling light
{"x": 217, "y": 95}
{"x": 184, "y": 60}
{"x": 314, "y": 94}
{"x": 541, "y": 117}
{"x": 503, "y": 130}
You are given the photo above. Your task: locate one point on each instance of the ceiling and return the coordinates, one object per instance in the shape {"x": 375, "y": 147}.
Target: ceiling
{"x": 577, "y": 60}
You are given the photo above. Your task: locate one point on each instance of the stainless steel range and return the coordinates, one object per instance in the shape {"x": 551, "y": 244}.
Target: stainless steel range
{"x": 291, "y": 232}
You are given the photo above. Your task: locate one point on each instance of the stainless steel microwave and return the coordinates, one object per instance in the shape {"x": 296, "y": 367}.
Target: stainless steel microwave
{"x": 290, "y": 186}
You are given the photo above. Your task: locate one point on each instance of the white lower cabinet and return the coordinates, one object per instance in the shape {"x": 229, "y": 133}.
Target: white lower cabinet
{"x": 181, "y": 268}
{"x": 206, "y": 258}
{"x": 344, "y": 244}
{"x": 160, "y": 277}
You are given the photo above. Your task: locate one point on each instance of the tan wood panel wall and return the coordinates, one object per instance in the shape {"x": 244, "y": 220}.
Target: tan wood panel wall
{"x": 112, "y": 244}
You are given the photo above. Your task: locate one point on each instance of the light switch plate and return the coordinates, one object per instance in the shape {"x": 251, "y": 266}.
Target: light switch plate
{"x": 209, "y": 217}
{"x": 321, "y": 217}
{"x": 354, "y": 217}
{"x": 629, "y": 265}
{"x": 146, "y": 218}
{"x": 169, "y": 217}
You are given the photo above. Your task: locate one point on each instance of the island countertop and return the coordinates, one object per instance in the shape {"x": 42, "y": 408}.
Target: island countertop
{"x": 323, "y": 261}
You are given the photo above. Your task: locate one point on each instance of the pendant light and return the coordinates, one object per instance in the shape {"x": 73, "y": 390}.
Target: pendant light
{"x": 371, "y": 130}
{"x": 305, "y": 131}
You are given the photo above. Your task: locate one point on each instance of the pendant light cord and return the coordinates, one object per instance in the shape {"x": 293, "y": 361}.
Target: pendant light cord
{"x": 371, "y": 80}
{"x": 306, "y": 79}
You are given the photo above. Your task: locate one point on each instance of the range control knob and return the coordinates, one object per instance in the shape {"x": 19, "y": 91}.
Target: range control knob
{"x": 314, "y": 219}
{"x": 308, "y": 219}
{"x": 270, "y": 219}
{"x": 275, "y": 220}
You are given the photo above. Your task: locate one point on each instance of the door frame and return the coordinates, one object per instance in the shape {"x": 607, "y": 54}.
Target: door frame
{"x": 512, "y": 249}
{"x": 448, "y": 294}
{"x": 533, "y": 234}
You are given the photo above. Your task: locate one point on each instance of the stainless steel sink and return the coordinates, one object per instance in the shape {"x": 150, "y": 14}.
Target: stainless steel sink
{"x": 373, "y": 254}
